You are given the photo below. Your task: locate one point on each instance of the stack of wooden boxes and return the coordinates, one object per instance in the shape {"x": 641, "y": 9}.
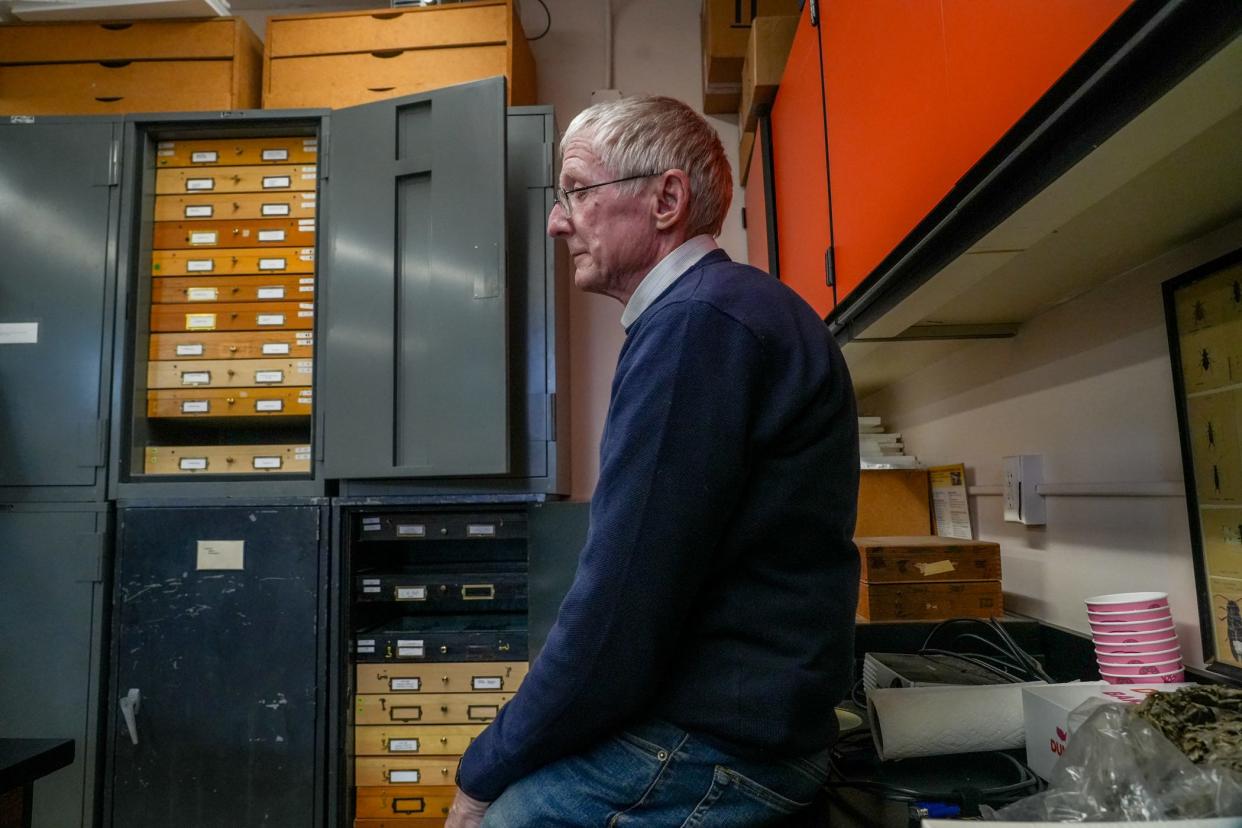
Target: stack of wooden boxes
{"x": 928, "y": 578}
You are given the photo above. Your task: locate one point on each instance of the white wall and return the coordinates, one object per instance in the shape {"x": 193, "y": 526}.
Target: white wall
{"x": 1088, "y": 386}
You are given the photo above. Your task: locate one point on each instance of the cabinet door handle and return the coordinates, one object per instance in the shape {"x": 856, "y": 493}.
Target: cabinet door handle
{"x": 129, "y": 709}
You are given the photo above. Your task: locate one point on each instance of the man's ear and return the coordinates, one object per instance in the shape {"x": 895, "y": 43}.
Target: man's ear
{"x": 672, "y": 203}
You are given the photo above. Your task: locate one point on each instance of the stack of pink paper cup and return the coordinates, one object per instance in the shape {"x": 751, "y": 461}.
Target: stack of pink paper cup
{"x": 1135, "y": 642}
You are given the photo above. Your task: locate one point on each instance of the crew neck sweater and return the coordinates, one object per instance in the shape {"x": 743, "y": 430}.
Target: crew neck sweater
{"x": 717, "y": 586}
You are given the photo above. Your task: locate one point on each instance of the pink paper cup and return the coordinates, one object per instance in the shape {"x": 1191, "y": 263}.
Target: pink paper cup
{"x": 1141, "y": 669}
{"x": 1121, "y": 601}
{"x": 1110, "y": 639}
{"x": 1130, "y": 626}
{"x": 1135, "y": 655}
{"x": 1129, "y": 615}
{"x": 1172, "y": 677}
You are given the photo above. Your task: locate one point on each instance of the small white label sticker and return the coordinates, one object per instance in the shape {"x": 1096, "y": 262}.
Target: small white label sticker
{"x": 480, "y": 530}
{"x": 166, "y": 152}
{"x": 19, "y": 333}
{"x": 371, "y": 589}
{"x": 273, "y": 182}
{"x": 407, "y": 776}
{"x": 410, "y": 652}
{"x": 306, "y": 225}
{"x": 206, "y": 237}
{"x": 486, "y": 683}
{"x": 306, "y": 366}
{"x": 271, "y": 293}
{"x": 202, "y": 294}
{"x": 406, "y": 684}
{"x": 199, "y": 211}
{"x": 193, "y": 349}
{"x": 166, "y": 144}
{"x": 367, "y": 649}
{"x": 269, "y": 376}
{"x": 306, "y": 289}
{"x": 305, "y": 337}
{"x": 416, "y": 593}
{"x": 271, "y": 319}
{"x": 221, "y": 554}
{"x": 413, "y": 530}
{"x": 200, "y": 321}
{"x": 195, "y": 407}
{"x": 266, "y": 462}
{"x": 272, "y": 264}
{"x": 275, "y": 210}
{"x": 307, "y": 254}
{"x": 198, "y": 265}
{"x": 306, "y": 314}
{"x": 371, "y": 581}
{"x": 403, "y": 746}
{"x": 274, "y": 348}
{"x": 271, "y": 235}
{"x": 410, "y": 642}
{"x": 308, "y": 176}
{"x": 200, "y": 183}
{"x": 275, "y": 155}
{"x": 204, "y": 157}
{"x": 192, "y": 463}
{"x": 304, "y": 396}
{"x": 366, "y": 642}
{"x": 269, "y": 405}
{"x": 301, "y": 453}
{"x": 195, "y": 377}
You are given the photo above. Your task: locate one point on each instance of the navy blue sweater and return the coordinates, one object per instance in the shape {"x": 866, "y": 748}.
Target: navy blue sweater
{"x": 719, "y": 579}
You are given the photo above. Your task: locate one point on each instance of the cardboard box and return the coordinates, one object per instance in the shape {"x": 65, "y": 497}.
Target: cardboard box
{"x": 766, "y": 53}
{"x": 1046, "y": 709}
{"x": 921, "y": 559}
{"x": 725, "y": 26}
{"x": 893, "y": 502}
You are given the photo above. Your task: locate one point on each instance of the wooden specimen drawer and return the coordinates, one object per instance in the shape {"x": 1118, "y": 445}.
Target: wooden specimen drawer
{"x": 474, "y": 677}
{"x": 384, "y": 770}
{"x": 228, "y": 345}
{"x": 401, "y": 822}
{"x": 255, "y": 179}
{"x": 227, "y": 459}
{"x": 241, "y": 316}
{"x": 237, "y": 151}
{"x": 105, "y": 88}
{"x": 230, "y": 402}
{"x": 433, "y": 708}
{"x": 389, "y": 803}
{"x": 416, "y": 740}
{"x": 235, "y": 206}
{"x": 231, "y": 288}
{"x": 445, "y": 26}
{"x": 919, "y": 558}
{"x": 232, "y": 262}
{"x": 172, "y": 235}
{"x": 129, "y": 40}
{"x": 230, "y": 373}
{"x": 931, "y": 601}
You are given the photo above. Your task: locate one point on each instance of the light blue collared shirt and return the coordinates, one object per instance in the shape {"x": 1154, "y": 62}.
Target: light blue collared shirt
{"x": 667, "y": 270}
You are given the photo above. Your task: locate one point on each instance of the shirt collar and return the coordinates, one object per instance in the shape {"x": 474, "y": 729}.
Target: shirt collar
{"x": 667, "y": 270}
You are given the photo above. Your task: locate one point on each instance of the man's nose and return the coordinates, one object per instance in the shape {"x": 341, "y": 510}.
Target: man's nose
{"x": 558, "y": 221}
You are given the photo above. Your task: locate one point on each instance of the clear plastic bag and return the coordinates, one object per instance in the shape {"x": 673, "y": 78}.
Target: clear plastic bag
{"x": 1120, "y": 768}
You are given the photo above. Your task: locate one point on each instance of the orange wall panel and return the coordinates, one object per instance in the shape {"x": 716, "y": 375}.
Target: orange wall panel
{"x": 756, "y": 208}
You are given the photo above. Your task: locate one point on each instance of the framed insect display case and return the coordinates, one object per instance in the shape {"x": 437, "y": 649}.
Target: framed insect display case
{"x": 1203, "y": 310}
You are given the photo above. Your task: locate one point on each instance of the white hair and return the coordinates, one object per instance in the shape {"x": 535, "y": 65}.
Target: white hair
{"x": 633, "y": 136}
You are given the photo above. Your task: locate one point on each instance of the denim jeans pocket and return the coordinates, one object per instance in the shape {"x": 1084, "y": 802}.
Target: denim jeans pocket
{"x": 735, "y": 799}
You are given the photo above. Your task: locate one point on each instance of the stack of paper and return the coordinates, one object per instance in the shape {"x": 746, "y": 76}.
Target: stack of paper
{"x": 117, "y": 9}
{"x": 878, "y": 449}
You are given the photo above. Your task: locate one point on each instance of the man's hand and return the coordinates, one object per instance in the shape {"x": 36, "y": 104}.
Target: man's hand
{"x": 466, "y": 812}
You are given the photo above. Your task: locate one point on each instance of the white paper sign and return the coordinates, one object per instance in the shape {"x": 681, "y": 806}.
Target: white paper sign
{"x": 19, "y": 333}
{"x": 221, "y": 554}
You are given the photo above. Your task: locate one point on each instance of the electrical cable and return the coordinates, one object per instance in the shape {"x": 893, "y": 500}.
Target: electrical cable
{"x": 977, "y": 661}
{"x": 547, "y": 27}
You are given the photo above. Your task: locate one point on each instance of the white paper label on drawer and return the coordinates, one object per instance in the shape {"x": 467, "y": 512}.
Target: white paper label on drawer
{"x": 306, "y": 314}
{"x": 192, "y": 463}
{"x": 410, "y": 652}
{"x": 403, "y": 746}
{"x": 415, "y": 593}
{"x": 199, "y": 265}
{"x": 308, "y": 196}
{"x": 301, "y": 453}
{"x": 366, "y": 642}
{"x": 269, "y": 405}
{"x": 306, "y": 280}
{"x": 166, "y": 152}
{"x": 275, "y": 210}
{"x": 306, "y": 288}
{"x": 306, "y": 225}
{"x": 406, "y": 684}
{"x": 480, "y": 530}
{"x": 371, "y": 589}
{"x": 271, "y": 319}
{"x": 269, "y": 376}
{"x": 19, "y": 333}
{"x": 271, "y": 293}
{"x": 304, "y": 396}
{"x": 267, "y": 462}
{"x": 409, "y": 776}
{"x": 410, "y": 642}
{"x": 200, "y": 183}
{"x": 306, "y": 366}
{"x": 202, "y": 294}
{"x": 275, "y": 155}
{"x": 365, "y": 648}
{"x": 486, "y": 683}
{"x": 275, "y": 348}
{"x": 200, "y": 321}
{"x": 309, "y": 169}
{"x": 307, "y": 254}
{"x": 195, "y": 377}
{"x": 193, "y": 349}
{"x": 271, "y": 235}
{"x": 199, "y": 211}
{"x": 272, "y": 182}
{"x": 305, "y": 337}
{"x": 166, "y": 144}
{"x": 195, "y": 406}
{"x": 206, "y": 237}
{"x": 937, "y": 568}
{"x": 206, "y": 157}
{"x": 308, "y": 176}
{"x": 413, "y": 530}
{"x": 272, "y": 264}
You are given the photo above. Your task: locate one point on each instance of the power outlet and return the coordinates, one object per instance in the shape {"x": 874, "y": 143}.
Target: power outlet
{"x": 1023, "y": 503}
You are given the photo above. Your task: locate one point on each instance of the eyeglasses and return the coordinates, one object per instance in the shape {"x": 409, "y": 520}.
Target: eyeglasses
{"x": 563, "y": 196}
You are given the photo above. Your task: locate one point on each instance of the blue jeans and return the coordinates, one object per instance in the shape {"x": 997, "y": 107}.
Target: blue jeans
{"x": 655, "y": 775}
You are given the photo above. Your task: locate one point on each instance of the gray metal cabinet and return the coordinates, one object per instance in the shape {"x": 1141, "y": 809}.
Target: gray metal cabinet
{"x": 217, "y": 711}
{"x": 57, "y": 225}
{"x": 52, "y": 598}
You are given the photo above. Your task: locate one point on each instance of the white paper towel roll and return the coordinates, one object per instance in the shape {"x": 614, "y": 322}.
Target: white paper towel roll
{"x": 932, "y": 721}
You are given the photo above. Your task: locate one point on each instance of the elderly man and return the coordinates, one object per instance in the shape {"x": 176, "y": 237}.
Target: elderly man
{"x": 691, "y": 674}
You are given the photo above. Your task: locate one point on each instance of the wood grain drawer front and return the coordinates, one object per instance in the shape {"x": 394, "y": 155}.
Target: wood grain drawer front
{"x": 229, "y": 402}
{"x": 237, "y": 152}
{"x": 477, "y": 677}
{"x": 372, "y": 770}
{"x": 250, "y": 179}
{"x": 401, "y": 822}
{"x": 191, "y": 460}
{"x": 414, "y": 740}
{"x": 137, "y": 40}
{"x": 345, "y": 80}
{"x": 390, "y": 803}
{"x": 471, "y": 25}
{"x": 434, "y": 708}
{"x": 95, "y": 88}
{"x": 232, "y": 207}
{"x": 173, "y": 235}
{"x": 232, "y": 262}
{"x": 226, "y": 345}
{"x": 208, "y": 289}
{"x": 230, "y": 373}
{"x": 241, "y": 316}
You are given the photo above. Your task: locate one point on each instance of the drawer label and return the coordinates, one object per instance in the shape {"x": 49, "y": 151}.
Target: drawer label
{"x": 371, "y": 590}
{"x": 206, "y": 237}
{"x": 200, "y": 183}
{"x": 486, "y": 683}
{"x": 199, "y": 265}
{"x": 272, "y": 182}
{"x": 271, "y": 348}
{"x": 192, "y": 463}
{"x": 480, "y": 530}
{"x": 412, "y": 530}
{"x": 19, "y": 333}
{"x": 271, "y": 319}
{"x": 414, "y": 593}
{"x": 269, "y": 376}
{"x": 275, "y": 155}
{"x": 271, "y": 293}
{"x": 406, "y": 684}
{"x": 305, "y": 314}
{"x": 204, "y": 157}
{"x": 274, "y": 210}
{"x": 195, "y": 407}
{"x": 409, "y": 776}
{"x": 266, "y": 462}
{"x": 306, "y": 366}
{"x": 221, "y": 554}
{"x": 200, "y": 321}
{"x": 269, "y": 405}
{"x": 199, "y": 211}
{"x": 195, "y": 377}
{"x": 272, "y": 264}
{"x": 202, "y": 294}
{"x": 301, "y": 453}
{"x": 193, "y": 349}
{"x": 403, "y": 746}
{"x": 271, "y": 235}
{"x": 410, "y": 652}
{"x": 305, "y": 337}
